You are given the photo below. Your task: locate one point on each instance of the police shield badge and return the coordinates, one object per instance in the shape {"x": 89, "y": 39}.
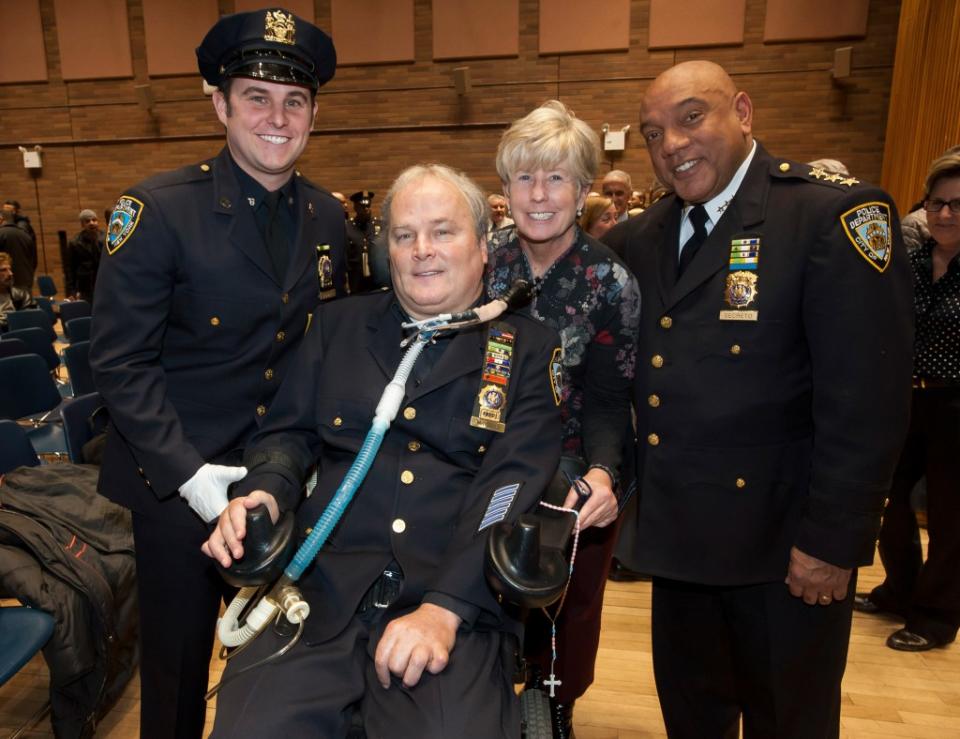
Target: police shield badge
{"x": 123, "y": 222}
{"x": 868, "y": 228}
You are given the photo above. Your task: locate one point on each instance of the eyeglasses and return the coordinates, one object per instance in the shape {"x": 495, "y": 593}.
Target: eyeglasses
{"x": 935, "y": 206}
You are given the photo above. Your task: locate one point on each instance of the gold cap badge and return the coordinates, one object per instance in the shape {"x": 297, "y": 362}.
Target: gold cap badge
{"x": 280, "y": 27}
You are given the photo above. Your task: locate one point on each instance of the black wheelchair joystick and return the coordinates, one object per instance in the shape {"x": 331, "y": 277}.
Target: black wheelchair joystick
{"x": 267, "y": 548}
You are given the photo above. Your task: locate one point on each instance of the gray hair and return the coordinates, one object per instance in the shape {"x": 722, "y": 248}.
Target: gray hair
{"x": 473, "y": 195}
{"x": 618, "y": 175}
{"x": 546, "y": 138}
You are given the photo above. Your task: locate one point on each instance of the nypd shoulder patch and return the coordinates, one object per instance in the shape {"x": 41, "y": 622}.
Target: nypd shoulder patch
{"x": 868, "y": 227}
{"x": 123, "y": 222}
{"x": 499, "y": 506}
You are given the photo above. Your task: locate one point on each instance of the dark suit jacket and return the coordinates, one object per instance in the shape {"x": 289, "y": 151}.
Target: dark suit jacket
{"x": 758, "y": 435}
{"x": 192, "y": 333}
{"x": 426, "y": 494}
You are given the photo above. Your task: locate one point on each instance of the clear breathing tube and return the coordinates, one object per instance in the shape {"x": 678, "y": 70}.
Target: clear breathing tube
{"x": 283, "y": 596}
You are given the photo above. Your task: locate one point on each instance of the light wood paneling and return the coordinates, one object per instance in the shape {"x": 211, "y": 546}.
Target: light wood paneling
{"x": 568, "y": 26}
{"x": 789, "y": 20}
{"x": 174, "y": 30}
{"x": 302, "y": 8}
{"x": 373, "y": 31}
{"x": 94, "y": 38}
{"x": 466, "y": 29}
{"x": 924, "y": 117}
{"x": 23, "y": 57}
{"x": 696, "y": 23}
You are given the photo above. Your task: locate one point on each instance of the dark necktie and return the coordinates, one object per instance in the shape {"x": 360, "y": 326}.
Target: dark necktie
{"x": 698, "y": 217}
{"x": 274, "y": 236}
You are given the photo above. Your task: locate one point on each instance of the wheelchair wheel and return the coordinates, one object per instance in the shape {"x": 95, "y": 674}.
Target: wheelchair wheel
{"x": 535, "y": 715}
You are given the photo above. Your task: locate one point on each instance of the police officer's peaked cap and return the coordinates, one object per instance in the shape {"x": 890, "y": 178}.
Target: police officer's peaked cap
{"x": 272, "y": 45}
{"x": 364, "y": 197}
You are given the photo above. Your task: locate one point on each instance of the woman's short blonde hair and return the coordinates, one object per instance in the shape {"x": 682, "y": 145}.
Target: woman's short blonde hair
{"x": 947, "y": 165}
{"x": 548, "y": 137}
{"x": 594, "y": 207}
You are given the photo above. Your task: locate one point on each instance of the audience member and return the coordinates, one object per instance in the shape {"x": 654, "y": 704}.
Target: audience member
{"x": 359, "y": 276}
{"x": 769, "y": 416}
{"x": 927, "y": 593}
{"x": 498, "y": 213}
{"x": 23, "y": 222}
{"x": 599, "y": 216}
{"x": 198, "y": 314}
{"x": 546, "y": 162}
{"x": 11, "y": 297}
{"x": 617, "y": 186}
{"x": 16, "y": 243}
{"x": 369, "y": 225}
{"x": 83, "y": 257}
{"x": 403, "y": 627}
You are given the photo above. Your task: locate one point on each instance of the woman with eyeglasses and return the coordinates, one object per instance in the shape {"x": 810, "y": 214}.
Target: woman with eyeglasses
{"x": 926, "y": 594}
{"x": 547, "y": 161}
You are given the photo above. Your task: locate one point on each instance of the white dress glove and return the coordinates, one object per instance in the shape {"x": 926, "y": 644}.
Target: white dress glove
{"x": 206, "y": 491}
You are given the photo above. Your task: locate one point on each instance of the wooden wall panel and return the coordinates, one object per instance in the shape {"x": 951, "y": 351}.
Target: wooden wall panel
{"x": 372, "y": 32}
{"x": 466, "y": 29}
{"x": 696, "y": 23}
{"x": 568, "y": 26}
{"x": 302, "y": 8}
{"x": 94, "y": 39}
{"x": 789, "y": 20}
{"x": 23, "y": 57}
{"x": 924, "y": 117}
{"x": 174, "y": 29}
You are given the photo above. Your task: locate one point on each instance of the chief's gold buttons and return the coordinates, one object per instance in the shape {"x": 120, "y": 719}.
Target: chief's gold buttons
{"x": 285, "y": 298}
{"x": 481, "y": 449}
{"x": 406, "y": 477}
{"x": 204, "y": 167}
{"x": 409, "y": 413}
{"x": 653, "y": 439}
{"x": 261, "y": 410}
{"x": 308, "y": 530}
{"x": 214, "y": 321}
{"x": 338, "y": 421}
{"x": 666, "y": 322}
{"x": 653, "y": 401}
{"x": 268, "y": 374}
{"x": 784, "y": 167}
{"x": 657, "y": 361}
{"x": 735, "y": 349}
{"x": 281, "y": 335}
{"x": 413, "y": 446}
{"x": 741, "y": 483}
{"x": 398, "y": 526}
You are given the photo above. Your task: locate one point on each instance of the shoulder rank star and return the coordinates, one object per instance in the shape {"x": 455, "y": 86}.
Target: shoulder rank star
{"x": 817, "y": 172}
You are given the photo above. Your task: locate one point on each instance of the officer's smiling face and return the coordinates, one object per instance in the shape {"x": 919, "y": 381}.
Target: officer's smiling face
{"x": 268, "y": 125}
{"x": 697, "y": 129}
{"x": 436, "y": 259}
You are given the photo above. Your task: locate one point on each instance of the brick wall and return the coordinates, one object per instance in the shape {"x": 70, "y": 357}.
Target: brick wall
{"x": 375, "y": 120}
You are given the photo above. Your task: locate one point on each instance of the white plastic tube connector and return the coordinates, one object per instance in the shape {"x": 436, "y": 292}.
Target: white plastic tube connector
{"x": 228, "y": 628}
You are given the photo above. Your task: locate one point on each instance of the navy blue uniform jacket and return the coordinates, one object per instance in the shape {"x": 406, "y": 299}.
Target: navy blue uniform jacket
{"x": 429, "y": 488}
{"x": 754, "y": 436}
{"x": 192, "y": 334}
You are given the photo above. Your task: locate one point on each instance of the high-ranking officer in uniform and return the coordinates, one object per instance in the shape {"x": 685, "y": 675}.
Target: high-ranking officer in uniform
{"x": 772, "y": 395}
{"x": 205, "y": 289}
{"x": 403, "y": 627}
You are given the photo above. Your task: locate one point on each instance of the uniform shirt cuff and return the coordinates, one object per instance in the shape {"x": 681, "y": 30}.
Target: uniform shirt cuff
{"x": 467, "y": 612}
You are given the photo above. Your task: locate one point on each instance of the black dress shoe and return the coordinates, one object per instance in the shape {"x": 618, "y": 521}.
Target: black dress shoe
{"x": 619, "y": 573}
{"x": 864, "y": 604}
{"x": 908, "y": 641}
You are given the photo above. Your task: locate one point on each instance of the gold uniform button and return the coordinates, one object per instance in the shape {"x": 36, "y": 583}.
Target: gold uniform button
{"x": 409, "y": 413}
{"x": 338, "y": 421}
{"x": 666, "y": 322}
{"x": 481, "y": 449}
{"x": 308, "y": 530}
{"x": 657, "y": 361}
{"x": 140, "y": 471}
{"x": 204, "y": 167}
{"x": 741, "y": 483}
{"x": 285, "y": 298}
{"x": 735, "y": 349}
{"x": 261, "y": 410}
{"x": 653, "y": 401}
{"x": 225, "y": 203}
{"x": 406, "y": 477}
{"x": 398, "y": 526}
{"x": 413, "y": 446}
{"x": 281, "y": 335}
{"x": 214, "y": 321}
{"x": 147, "y": 483}
{"x": 268, "y": 374}
{"x": 784, "y": 167}
{"x": 653, "y": 439}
